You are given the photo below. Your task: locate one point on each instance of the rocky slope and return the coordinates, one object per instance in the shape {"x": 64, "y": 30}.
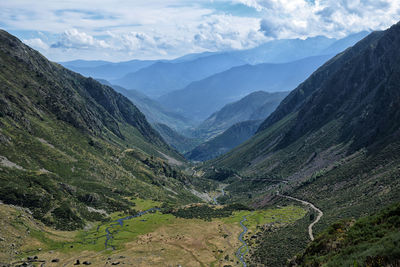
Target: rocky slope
{"x": 70, "y": 146}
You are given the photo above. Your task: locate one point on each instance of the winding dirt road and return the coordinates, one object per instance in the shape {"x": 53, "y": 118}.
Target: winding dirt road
{"x": 320, "y": 213}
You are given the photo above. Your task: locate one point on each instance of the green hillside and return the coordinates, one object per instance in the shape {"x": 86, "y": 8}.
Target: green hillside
{"x": 334, "y": 141}
{"x": 72, "y": 149}
{"x": 369, "y": 241}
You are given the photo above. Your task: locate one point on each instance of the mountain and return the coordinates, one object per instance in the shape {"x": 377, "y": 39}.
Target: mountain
{"x": 154, "y": 111}
{"x": 72, "y": 149}
{"x": 334, "y": 141}
{"x": 106, "y": 70}
{"x": 344, "y": 43}
{"x": 200, "y": 99}
{"x": 163, "y": 77}
{"x": 80, "y": 63}
{"x": 180, "y": 142}
{"x": 224, "y": 142}
{"x": 255, "y": 106}
{"x": 287, "y": 50}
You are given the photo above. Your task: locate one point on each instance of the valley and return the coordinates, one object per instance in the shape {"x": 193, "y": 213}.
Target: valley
{"x": 286, "y": 153}
{"x": 154, "y": 238}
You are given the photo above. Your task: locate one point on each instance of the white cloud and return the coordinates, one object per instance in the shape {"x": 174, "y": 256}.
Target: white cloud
{"x": 36, "y": 43}
{"x": 79, "y": 40}
{"x": 335, "y": 18}
{"x": 226, "y": 32}
{"x": 117, "y": 29}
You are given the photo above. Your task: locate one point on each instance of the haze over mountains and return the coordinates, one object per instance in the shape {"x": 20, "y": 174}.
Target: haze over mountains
{"x": 199, "y": 99}
{"x": 198, "y": 66}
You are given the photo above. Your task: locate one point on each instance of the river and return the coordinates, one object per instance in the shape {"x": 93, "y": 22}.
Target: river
{"x": 240, "y": 254}
{"x": 120, "y": 222}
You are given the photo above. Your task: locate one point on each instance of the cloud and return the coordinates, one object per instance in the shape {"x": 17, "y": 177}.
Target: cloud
{"x": 334, "y": 18}
{"x": 226, "y": 32}
{"x": 79, "y": 40}
{"x": 36, "y": 43}
{"x": 117, "y": 29}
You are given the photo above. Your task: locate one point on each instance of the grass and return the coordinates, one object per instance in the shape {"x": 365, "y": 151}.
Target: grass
{"x": 175, "y": 240}
{"x": 281, "y": 215}
{"x": 370, "y": 241}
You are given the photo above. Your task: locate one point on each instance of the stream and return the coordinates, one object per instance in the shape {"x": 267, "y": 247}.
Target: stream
{"x": 239, "y": 252}
{"x": 222, "y": 194}
{"x": 120, "y": 222}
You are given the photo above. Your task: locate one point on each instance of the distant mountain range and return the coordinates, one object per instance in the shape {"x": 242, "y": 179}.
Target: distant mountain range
{"x": 163, "y": 77}
{"x": 201, "y": 98}
{"x": 169, "y": 75}
{"x": 287, "y": 50}
{"x": 106, "y": 70}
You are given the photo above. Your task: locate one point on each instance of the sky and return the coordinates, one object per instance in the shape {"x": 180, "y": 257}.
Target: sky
{"x": 120, "y": 30}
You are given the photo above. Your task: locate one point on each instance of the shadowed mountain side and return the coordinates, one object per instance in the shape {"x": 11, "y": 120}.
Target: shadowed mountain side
{"x": 255, "y": 106}
{"x": 222, "y": 143}
{"x": 154, "y": 111}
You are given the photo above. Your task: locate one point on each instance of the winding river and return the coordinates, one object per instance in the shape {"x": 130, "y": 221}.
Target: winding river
{"x": 240, "y": 254}
{"x": 221, "y": 194}
{"x": 120, "y": 222}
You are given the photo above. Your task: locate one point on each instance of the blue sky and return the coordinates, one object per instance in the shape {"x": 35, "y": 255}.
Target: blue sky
{"x": 118, "y": 30}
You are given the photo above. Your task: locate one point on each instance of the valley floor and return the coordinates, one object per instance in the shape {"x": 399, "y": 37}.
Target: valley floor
{"x": 154, "y": 239}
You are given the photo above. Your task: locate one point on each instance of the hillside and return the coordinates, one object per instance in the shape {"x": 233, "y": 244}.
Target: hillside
{"x": 163, "y": 77}
{"x": 255, "y": 106}
{"x": 369, "y": 241}
{"x": 73, "y": 149}
{"x": 154, "y": 111}
{"x": 225, "y": 141}
{"x": 178, "y": 141}
{"x": 200, "y": 99}
{"x": 334, "y": 140}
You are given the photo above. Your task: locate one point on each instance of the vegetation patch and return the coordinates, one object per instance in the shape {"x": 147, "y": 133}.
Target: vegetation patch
{"x": 370, "y": 241}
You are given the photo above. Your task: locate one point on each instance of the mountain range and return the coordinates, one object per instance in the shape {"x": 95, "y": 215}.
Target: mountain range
{"x": 163, "y": 77}
{"x": 201, "y": 98}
